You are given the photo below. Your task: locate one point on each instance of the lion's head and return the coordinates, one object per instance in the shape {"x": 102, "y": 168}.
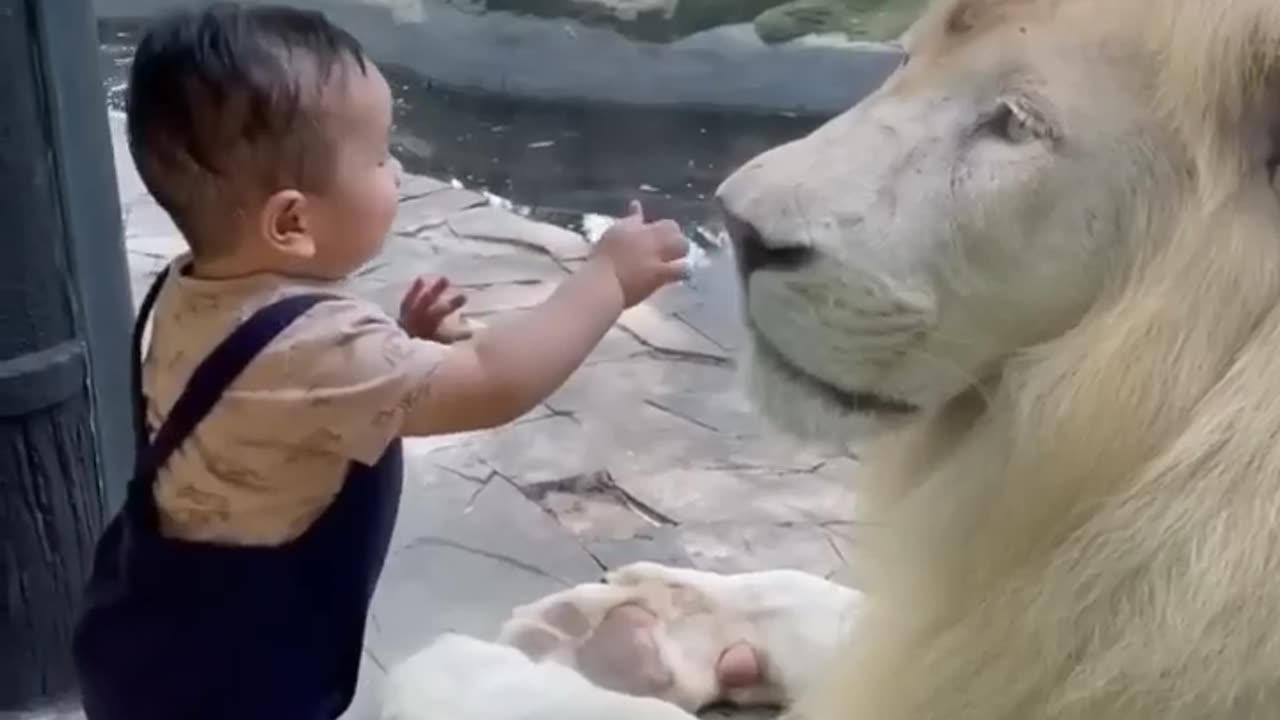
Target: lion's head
{"x": 1045, "y": 254}
{"x": 1022, "y": 171}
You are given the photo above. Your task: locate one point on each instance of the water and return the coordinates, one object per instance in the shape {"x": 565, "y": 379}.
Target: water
{"x": 561, "y": 162}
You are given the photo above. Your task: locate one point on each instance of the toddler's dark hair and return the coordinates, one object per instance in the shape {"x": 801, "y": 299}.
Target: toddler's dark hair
{"x": 225, "y": 105}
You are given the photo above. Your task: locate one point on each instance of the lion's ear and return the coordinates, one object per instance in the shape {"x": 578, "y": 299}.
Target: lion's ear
{"x": 1269, "y": 110}
{"x": 1251, "y": 119}
{"x": 1220, "y": 83}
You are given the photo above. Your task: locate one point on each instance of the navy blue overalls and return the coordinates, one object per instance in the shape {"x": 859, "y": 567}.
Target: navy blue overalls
{"x": 179, "y": 630}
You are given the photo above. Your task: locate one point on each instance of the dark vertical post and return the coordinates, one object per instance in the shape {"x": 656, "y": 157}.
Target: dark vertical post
{"x": 66, "y": 439}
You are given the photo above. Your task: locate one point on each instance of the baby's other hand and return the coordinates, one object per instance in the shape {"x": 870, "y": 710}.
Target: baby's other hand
{"x": 644, "y": 256}
{"x": 429, "y": 311}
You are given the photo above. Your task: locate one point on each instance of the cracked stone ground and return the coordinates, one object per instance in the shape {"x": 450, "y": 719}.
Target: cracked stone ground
{"x": 648, "y": 453}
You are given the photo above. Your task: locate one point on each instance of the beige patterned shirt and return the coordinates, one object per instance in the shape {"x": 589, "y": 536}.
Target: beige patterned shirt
{"x": 333, "y": 388}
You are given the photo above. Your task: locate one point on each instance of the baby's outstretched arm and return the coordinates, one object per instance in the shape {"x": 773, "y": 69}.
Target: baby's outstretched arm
{"x": 506, "y": 370}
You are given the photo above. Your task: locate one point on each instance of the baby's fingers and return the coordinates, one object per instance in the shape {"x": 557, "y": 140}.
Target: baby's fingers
{"x": 435, "y": 289}
{"x": 411, "y": 296}
{"x": 430, "y": 316}
{"x": 672, "y": 244}
{"x": 673, "y": 271}
{"x": 449, "y": 305}
{"x": 422, "y": 294}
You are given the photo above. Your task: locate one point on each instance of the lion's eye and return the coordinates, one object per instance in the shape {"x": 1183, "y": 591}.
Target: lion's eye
{"x": 1012, "y": 123}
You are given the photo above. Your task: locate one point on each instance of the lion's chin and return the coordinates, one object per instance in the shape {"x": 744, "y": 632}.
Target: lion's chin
{"x": 804, "y": 407}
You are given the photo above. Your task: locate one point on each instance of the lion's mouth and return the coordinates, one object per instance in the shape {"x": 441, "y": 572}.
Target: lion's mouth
{"x": 854, "y": 402}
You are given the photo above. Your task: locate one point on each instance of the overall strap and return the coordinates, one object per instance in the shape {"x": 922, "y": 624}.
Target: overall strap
{"x": 139, "y": 329}
{"x": 217, "y": 371}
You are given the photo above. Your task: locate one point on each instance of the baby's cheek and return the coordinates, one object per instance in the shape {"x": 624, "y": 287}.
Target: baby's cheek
{"x": 388, "y": 197}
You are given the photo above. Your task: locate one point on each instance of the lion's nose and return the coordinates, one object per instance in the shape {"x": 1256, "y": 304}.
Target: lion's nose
{"x": 753, "y": 251}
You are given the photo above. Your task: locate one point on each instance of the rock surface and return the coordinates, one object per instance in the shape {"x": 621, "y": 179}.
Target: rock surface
{"x": 775, "y": 21}
{"x": 649, "y": 20}
{"x": 856, "y": 19}
{"x": 712, "y": 57}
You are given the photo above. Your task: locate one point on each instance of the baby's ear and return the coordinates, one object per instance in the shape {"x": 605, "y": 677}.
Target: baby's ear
{"x": 286, "y": 224}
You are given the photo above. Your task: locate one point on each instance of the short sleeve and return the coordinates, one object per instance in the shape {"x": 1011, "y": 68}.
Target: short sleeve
{"x": 339, "y": 380}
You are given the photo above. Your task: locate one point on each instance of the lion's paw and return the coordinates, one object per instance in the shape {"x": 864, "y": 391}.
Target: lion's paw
{"x": 689, "y": 637}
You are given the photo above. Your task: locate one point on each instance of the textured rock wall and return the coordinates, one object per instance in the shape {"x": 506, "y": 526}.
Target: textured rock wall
{"x": 775, "y": 20}
{"x": 517, "y": 53}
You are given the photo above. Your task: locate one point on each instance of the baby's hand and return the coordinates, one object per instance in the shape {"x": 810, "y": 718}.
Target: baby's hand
{"x": 644, "y": 256}
{"x": 427, "y": 311}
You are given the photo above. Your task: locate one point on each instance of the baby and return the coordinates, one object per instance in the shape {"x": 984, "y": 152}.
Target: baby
{"x": 236, "y": 581}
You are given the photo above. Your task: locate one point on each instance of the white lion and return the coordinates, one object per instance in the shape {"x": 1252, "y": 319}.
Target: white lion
{"x": 1040, "y": 270}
